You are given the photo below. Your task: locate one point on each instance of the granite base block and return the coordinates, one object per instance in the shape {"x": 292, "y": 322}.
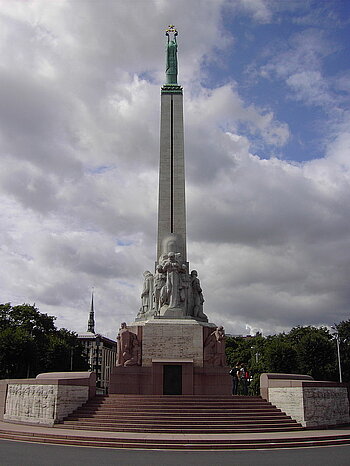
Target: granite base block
{"x": 139, "y": 380}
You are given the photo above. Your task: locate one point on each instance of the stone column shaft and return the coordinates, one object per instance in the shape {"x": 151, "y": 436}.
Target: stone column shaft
{"x": 171, "y": 206}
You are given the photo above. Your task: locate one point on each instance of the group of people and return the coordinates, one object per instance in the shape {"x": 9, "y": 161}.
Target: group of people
{"x": 240, "y": 379}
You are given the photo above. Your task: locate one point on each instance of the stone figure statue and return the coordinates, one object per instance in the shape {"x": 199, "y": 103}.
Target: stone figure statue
{"x": 147, "y": 292}
{"x": 220, "y": 357}
{"x": 158, "y": 283}
{"x": 128, "y": 348}
{"x": 185, "y": 285}
{"x": 170, "y": 293}
{"x": 214, "y": 348}
{"x": 171, "y": 56}
{"x": 197, "y": 296}
{"x": 209, "y": 350}
{"x": 135, "y": 359}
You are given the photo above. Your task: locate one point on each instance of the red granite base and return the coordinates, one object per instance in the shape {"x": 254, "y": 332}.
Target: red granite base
{"x": 132, "y": 380}
{"x": 139, "y": 380}
{"x": 212, "y": 381}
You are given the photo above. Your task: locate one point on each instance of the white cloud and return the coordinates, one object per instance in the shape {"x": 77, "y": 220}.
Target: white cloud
{"x": 260, "y": 10}
{"x": 298, "y": 62}
{"x": 79, "y": 146}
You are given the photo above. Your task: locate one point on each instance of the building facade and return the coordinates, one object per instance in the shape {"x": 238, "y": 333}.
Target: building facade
{"x": 101, "y": 354}
{"x": 100, "y": 351}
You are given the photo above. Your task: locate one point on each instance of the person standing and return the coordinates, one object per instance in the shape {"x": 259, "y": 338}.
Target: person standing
{"x": 234, "y": 372}
{"x": 243, "y": 378}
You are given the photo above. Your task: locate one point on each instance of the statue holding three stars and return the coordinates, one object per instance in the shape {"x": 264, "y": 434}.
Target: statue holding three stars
{"x": 171, "y": 56}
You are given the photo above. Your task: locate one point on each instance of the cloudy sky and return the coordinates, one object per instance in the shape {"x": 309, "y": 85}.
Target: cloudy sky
{"x": 267, "y": 137}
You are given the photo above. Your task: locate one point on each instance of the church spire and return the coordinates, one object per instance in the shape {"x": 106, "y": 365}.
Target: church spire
{"x": 91, "y": 321}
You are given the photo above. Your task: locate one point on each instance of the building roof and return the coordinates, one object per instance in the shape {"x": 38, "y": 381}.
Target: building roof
{"x": 93, "y": 336}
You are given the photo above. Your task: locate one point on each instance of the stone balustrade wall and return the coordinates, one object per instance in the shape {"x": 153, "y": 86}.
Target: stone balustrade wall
{"x": 47, "y": 399}
{"x": 312, "y": 403}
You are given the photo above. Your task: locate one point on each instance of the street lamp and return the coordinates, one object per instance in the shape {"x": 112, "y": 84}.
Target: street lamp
{"x": 337, "y": 338}
{"x": 71, "y": 358}
{"x": 256, "y": 353}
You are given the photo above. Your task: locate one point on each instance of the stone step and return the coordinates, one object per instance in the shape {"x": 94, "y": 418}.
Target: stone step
{"x": 179, "y": 423}
{"x": 180, "y": 411}
{"x": 183, "y": 418}
{"x": 172, "y": 400}
{"x": 185, "y": 402}
{"x": 124, "y": 402}
{"x": 167, "y": 414}
{"x": 172, "y": 443}
{"x": 177, "y": 397}
{"x": 200, "y": 405}
{"x": 184, "y": 430}
{"x": 218, "y": 429}
{"x": 182, "y": 405}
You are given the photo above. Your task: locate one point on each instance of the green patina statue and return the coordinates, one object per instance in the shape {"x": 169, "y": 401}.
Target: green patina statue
{"x": 171, "y": 56}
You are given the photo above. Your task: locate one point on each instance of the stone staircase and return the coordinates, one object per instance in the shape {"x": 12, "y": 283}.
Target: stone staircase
{"x": 299, "y": 439}
{"x": 184, "y": 414}
{"x": 177, "y": 423}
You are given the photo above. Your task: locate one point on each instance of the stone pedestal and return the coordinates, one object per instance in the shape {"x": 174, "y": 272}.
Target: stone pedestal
{"x": 312, "y": 403}
{"x": 139, "y": 380}
{"x": 172, "y": 361}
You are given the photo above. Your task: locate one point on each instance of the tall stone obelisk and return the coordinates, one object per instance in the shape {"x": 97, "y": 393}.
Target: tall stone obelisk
{"x": 171, "y": 205}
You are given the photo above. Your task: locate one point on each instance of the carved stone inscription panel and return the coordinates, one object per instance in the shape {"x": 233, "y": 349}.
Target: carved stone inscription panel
{"x": 313, "y": 406}
{"x": 35, "y": 403}
{"x": 172, "y": 340}
{"x": 42, "y": 404}
{"x": 326, "y": 403}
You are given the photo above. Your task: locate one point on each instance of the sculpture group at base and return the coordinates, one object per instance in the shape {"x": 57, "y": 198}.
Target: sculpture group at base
{"x": 214, "y": 348}
{"x": 128, "y": 348}
{"x": 171, "y": 287}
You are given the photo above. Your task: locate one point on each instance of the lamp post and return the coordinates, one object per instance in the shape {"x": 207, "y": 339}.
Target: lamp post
{"x": 336, "y": 334}
{"x": 71, "y": 358}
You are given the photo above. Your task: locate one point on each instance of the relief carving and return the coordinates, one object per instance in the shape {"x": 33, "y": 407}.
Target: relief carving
{"x": 214, "y": 348}
{"x": 25, "y": 402}
{"x": 128, "y": 347}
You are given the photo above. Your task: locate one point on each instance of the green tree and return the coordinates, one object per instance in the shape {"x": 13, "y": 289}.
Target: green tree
{"x": 280, "y": 355}
{"x": 30, "y": 343}
{"x": 304, "y": 350}
{"x": 65, "y": 352}
{"x": 343, "y": 329}
{"x": 315, "y": 350}
{"x": 238, "y": 349}
{"x": 16, "y": 350}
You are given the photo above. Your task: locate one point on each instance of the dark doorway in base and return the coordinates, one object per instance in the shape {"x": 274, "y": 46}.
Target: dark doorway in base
{"x": 172, "y": 379}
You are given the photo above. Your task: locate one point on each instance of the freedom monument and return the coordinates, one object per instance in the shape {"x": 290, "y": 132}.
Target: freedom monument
{"x": 171, "y": 348}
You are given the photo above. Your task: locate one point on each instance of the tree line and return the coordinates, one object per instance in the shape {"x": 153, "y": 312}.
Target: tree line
{"x": 31, "y": 344}
{"x": 303, "y": 350}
